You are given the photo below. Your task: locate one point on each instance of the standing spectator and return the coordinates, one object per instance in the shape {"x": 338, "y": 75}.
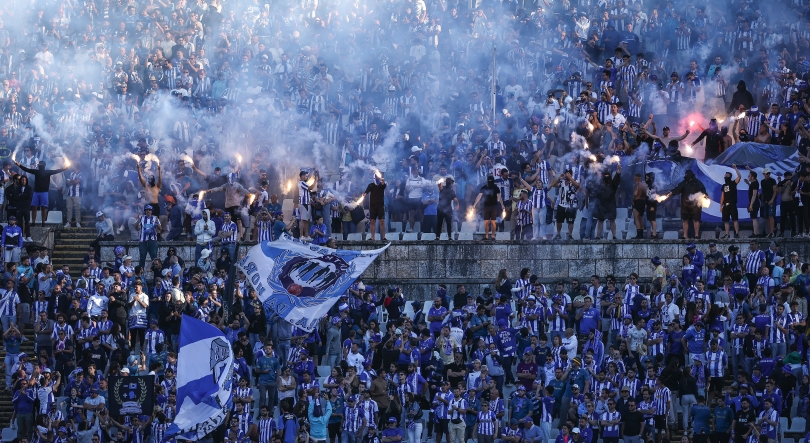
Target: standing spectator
{"x": 493, "y": 204}
{"x": 42, "y": 183}
{"x": 175, "y": 218}
{"x": 75, "y": 190}
{"x": 12, "y": 242}
{"x": 444, "y": 211}
{"x": 769, "y": 193}
{"x": 692, "y": 192}
{"x": 20, "y": 198}
{"x": 149, "y": 226}
{"x": 23, "y": 401}
{"x": 152, "y": 188}
{"x": 376, "y": 204}
{"x": 728, "y": 202}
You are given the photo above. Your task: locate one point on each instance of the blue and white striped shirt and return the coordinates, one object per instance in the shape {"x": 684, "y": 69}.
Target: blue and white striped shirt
{"x": 8, "y": 304}
{"x": 538, "y": 198}
{"x": 267, "y": 426}
{"x": 303, "y": 193}
{"x": 778, "y": 336}
{"x": 441, "y": 408}
{"x": 75, "y": 190}
{"x": 716, "y": 363}
{"x": 486, "y": 423}
{"x": 232, "y": 228}
{"x": 152, "y": 338}
{"x": 661, "y": 400}
{"x": 754, "y": 259}
{"x": 149, "y": 228}
{"x": 611, "y": 430}
{"x": 265, "y": 230}
{"x": 353, "y": 419}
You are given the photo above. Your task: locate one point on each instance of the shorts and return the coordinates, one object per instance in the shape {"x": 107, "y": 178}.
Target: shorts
{"x": 716, "y": 385}
{"x": 40, "y": 199}
{"x": 639, "y": 205}
{"x": 414, "y": 204}
{"x": 565, "y": 215}
{"x": 235, "y": 213}
{"x": 303, "y": 210}
{"x": 376, "y": 213}
{"x": 491, "y": 213}
{"x": 754, "y": 210}
{"x": 652, "y": 210}
{"x": 730, "y": 212}
{"x": 660, "y": 422}
{"x": 691, "y": 215}
{"x": 768, "y": 210}
{"x": 11, "y": 255}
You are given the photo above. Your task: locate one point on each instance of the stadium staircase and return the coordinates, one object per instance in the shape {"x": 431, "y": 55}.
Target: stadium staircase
{"x": 6, "y": 409}
{"x": 71, "y": 244}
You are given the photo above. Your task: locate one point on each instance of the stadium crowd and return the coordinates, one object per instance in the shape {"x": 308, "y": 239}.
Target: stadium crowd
{"x": 616, "y": 358}
{"x": 142, "y": 113}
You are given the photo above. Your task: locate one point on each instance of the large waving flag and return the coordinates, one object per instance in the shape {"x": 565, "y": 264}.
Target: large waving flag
{"x": 204, "y": 377}
{"x": 300, "y": 281}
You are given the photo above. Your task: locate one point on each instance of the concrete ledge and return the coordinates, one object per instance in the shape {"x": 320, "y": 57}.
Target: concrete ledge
{"x": 418, "y": 267}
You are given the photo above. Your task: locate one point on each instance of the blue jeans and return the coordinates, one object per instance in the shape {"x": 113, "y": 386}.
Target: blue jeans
{"x": 779, "y": 350}
{"x": 737, "y": 359}
{"x": 6, "y": 320}
{"x": 283, "y": 347}
{"x": 10, "y": 360}
{"x": 150, "y": 247}
{"x": 348, "y": 228}
{"x": 348, "y": 437}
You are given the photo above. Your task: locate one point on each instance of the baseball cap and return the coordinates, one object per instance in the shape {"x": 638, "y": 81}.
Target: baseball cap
{"x": 99, "y": 214}
{"x": 575, "y": 431}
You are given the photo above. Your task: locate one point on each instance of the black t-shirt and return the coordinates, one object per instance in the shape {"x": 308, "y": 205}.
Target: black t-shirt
{"x": 767, "y": 189}
{"x": 490, "y": 193}
{"x": 743, "y": 418}
{"x": 376, "y": 193}
{"x": 455, "y": 368}
{"x": 730, "y": 192}
{"x": 446, "y": 196}
{"x": 753, "y": 186}
{"x": 632, "y": 423}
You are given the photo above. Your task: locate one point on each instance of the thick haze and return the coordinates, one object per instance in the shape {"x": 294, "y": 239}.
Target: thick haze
{"x": 352, "y": 53}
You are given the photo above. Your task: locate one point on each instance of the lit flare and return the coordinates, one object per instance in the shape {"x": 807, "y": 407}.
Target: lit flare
{"x": 470, "y": 214}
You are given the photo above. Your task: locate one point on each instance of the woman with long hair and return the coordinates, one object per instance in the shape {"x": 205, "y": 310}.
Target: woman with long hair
{"x": 502, "y": 284}
{"x": 414, "y": 417}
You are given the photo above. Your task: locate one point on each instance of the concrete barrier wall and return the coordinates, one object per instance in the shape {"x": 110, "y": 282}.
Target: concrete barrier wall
{"x": 419, "y": 267}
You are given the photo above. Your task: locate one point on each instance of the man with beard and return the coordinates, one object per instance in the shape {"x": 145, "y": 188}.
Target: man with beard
{"x": 714, "y": 141}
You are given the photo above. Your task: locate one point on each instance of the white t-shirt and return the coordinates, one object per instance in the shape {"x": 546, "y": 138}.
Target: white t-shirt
{"x": 637, "y": 337}
{"x": 137, "y": 309}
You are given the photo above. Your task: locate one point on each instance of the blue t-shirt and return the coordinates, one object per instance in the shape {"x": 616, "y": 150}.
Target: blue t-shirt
{"x": 701, "y": 415}
{"x": 430, "y": 208}
{"x": 695, "y": 341}
{"x": 507, "y": 341}
{"x": 589, "y": 321}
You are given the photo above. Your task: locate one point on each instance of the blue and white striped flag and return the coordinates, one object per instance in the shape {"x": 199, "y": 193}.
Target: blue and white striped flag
{"x": 300, "y": 281}
{"x": 204, "y": 378}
